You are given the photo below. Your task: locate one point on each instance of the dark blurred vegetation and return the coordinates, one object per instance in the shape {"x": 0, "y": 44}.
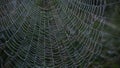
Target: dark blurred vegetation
{"x": 110, "y": 55}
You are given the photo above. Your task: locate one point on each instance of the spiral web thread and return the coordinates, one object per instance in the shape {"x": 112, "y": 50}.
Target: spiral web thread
{"x": 68, "y": 35}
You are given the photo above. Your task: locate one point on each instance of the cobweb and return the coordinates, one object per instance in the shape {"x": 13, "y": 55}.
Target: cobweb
{"x": 56, "y": 34}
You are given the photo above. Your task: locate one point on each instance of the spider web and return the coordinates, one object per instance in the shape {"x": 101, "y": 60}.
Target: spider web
{"x": 66, "y": 34}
